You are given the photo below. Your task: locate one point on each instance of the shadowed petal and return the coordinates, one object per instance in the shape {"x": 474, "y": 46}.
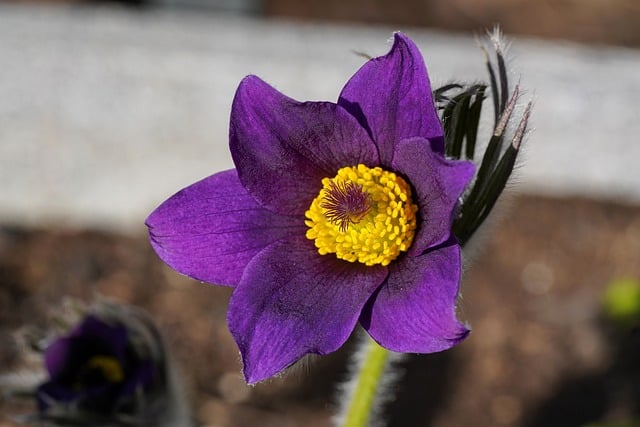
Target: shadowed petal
{"x": 414, "y": 311}
{"x": 438, "y": 183}
{"x": 283, "y": 148}
{"x": 211, "y": 229}
{"x": 292, "y": 301}
{"x": 391, "y": 97}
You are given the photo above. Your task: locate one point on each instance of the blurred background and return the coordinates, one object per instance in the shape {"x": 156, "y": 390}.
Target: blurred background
{"x": 106, "y": 109}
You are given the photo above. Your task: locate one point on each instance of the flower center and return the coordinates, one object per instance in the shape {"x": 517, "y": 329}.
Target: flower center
{"x": 363, "y": 214}
{"x": 108, "y": 367}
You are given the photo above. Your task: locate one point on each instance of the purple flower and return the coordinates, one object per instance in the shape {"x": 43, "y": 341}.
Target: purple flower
{"x": 93, "y": 369}
{"x": 335, "y": 214}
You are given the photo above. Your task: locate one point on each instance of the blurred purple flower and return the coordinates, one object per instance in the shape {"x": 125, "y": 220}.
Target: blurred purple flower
{"x": 335, "y": 213}
{"x": 93, "y": 369}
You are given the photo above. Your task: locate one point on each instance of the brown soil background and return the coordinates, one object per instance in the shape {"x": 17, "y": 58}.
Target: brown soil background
{"x": 591, "y": 21}
{"x": 540, "y": 353}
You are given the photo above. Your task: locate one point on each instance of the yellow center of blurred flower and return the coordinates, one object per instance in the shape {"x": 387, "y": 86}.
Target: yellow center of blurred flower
{"x": 108, "y": 366}
{"x": 363, "y": 214}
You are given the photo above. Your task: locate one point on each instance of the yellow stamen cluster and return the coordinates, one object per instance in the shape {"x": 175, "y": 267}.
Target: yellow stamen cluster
{"x": 109, "y": 366}
{"x": 376, "y": 236}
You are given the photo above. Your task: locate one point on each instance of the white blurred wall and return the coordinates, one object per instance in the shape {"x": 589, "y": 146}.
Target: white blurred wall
{"x": 104, "y": 113}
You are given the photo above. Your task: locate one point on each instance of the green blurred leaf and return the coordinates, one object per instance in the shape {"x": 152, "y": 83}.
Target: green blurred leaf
{"x": 621, "y": 301}
{"x": 630, "y": 423}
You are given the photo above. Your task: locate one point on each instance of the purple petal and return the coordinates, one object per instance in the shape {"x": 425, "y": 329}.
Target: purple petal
{"x": 391, "y": 97}
{"x": 283, "y": 148}
{"x": 56, "y": 356}
{"x": 211, "y": 229}
{"x": 414, "y": 311}
{"x": 438, "y": 184}
{"x": 292, "y": 301}
{"x": 114, "y": 335}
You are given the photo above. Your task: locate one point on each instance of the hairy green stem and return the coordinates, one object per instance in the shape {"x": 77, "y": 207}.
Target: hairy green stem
{"x": 369, "y": 373}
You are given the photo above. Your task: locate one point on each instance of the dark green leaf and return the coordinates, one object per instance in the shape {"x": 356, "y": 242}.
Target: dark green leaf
{"x": 473, "y": 122}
